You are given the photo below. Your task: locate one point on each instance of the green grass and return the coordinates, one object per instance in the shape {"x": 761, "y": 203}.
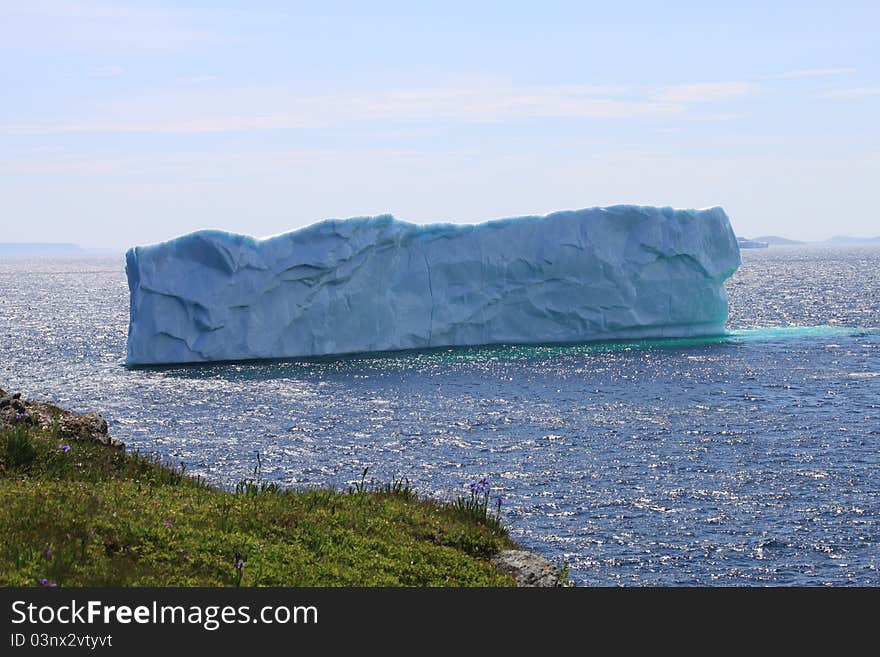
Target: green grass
{"x": 98, "y": 516}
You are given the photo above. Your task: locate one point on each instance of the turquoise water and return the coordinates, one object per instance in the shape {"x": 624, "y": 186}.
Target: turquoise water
{"x": 747, "y": 458}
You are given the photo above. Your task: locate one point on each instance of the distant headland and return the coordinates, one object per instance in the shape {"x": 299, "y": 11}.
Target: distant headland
{"x": 775, "y": 240}
{"x": 47, "y": 248}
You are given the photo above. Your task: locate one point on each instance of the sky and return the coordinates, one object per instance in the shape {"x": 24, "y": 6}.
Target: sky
{"x": 126, "y": 122}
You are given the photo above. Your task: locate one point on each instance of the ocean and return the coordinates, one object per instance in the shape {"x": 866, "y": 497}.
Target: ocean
{"x": 747, "y": 459}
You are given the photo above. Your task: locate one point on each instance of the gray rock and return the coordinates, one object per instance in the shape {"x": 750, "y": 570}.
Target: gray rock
{"x": 528, "y": 568}
{"x": 90, "y": 425}
{"x": 70, "y": 425}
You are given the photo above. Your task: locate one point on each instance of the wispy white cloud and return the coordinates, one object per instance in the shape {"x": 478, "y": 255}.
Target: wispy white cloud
{"x": 808, "y": 73}
{"x": 101, "y": 26}
{"x": 196, "y": 108}
{"x": 702, "y": 92}
{"x": 190, "y": 164}
{"x": 206, "y": 124}
{"x": 497, "y": 103}
{"x": 197, "y": 111}
{"x": 855, "y": 93}
{"x": 719, "y": 116}
{"x": 198, "y": 79}
{"x": 106, "y": 71}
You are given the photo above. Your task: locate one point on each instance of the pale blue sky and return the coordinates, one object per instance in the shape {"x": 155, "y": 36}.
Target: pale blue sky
{"x": 131, "y": 122}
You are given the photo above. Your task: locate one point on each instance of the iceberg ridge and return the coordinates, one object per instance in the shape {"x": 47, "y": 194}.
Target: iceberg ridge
{"x": 380, "y": 284}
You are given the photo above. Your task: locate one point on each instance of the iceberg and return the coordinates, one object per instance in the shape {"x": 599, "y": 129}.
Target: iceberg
{"x": 374, "y": 284}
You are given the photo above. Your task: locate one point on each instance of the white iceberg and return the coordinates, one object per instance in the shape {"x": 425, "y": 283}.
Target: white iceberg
{"x": 379, "y": 284}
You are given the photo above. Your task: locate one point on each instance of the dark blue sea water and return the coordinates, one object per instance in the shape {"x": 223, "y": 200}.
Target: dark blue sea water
{"x": 751, "y": 459}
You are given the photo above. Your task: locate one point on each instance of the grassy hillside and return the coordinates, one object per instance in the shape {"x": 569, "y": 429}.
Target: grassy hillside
{"x": 74, "y": 512}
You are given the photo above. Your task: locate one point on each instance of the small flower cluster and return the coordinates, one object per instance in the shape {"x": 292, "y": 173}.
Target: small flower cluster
{"x": 239, "y": 560}
{"x": 22, "y": 417}
{"x": 481, "y": 487}
{"x": 476, "y": 506}
{"x": 47, "y": 552}
{"x": 64, "y": 448}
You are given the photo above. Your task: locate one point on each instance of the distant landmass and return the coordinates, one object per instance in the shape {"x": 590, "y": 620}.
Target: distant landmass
{"x": 846, "y": 239}
{"x": 46, "y": 248}
{"x": 745, "y": 243}
{"x": 39, "y": 248}
{"x": 775, "y": 240}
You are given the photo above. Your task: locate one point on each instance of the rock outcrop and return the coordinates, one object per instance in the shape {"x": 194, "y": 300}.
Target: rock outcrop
{"x": 528, "y": 569}
{"x": 14, "y": 410}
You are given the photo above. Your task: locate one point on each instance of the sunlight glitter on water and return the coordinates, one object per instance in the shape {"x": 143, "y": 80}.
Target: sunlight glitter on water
{"x": 745, "y": 458}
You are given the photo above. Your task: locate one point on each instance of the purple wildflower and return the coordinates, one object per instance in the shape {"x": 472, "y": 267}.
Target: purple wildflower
{"x": 64, "y": 448}
{"x": 168, "y": 524}
{"x": 21, "y": 417}
{"x": 481, "y": 487}
{"x": 239, "y": 565}
{"x": 45, "y": 582}
{"x": 47, "y": 552}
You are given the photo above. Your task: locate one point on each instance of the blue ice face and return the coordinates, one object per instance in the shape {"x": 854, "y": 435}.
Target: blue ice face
{"x": 378, "y": 284}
